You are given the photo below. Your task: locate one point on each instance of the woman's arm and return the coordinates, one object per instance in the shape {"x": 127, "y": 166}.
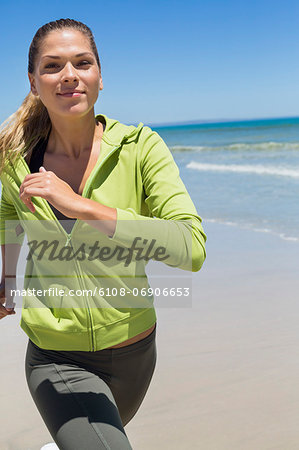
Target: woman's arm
{"x": 11, "y": 231}
{"x": 11, "y": 239}
{"x": 10, "y": 255}
{"x": 175, "y": 233}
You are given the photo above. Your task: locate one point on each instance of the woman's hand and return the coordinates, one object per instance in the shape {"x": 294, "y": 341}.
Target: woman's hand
{"x": 47, "y": 185}
{"x": 8, "y": 310}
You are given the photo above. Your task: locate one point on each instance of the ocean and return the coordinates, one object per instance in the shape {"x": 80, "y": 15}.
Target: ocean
{"x": 243, "y": 174}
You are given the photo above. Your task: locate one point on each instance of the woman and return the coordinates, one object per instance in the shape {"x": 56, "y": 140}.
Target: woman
{"x": 91, "y": 186}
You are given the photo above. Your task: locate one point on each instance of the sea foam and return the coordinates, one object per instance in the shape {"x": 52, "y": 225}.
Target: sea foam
{"x": 240, "y": 146}
{"x": 254, "y": 228}
{"x": 246, "y": 168}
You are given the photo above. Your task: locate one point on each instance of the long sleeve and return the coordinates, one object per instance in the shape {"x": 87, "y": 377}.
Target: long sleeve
{"x": 175, "y": 224}
{"x": 11, "y": 231}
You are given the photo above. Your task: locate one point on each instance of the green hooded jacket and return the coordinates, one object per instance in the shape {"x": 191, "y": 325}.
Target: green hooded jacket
{"x": 87, "y": 291}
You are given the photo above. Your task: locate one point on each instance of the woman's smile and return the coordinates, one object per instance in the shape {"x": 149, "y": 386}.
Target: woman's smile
{"x": 71, "y": 94}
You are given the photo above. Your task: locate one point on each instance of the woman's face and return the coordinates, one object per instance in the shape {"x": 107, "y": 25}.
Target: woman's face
{"x": 66, "y": 76}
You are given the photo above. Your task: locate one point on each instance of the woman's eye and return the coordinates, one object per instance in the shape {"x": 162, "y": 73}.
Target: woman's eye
{"x": 50, "y": 66}
{"x": 83, "y": 62}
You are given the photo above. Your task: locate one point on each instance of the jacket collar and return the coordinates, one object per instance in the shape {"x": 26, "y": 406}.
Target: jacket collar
{"x": 117, "y": 133}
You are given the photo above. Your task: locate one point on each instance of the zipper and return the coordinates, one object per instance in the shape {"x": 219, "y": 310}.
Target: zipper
{"x": 69, "y": 235}
{"x": 68, "y": 239}
{"x": 85, "y": 301}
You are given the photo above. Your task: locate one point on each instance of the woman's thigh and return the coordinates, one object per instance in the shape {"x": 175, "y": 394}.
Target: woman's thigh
{"x": 77, "y": 406}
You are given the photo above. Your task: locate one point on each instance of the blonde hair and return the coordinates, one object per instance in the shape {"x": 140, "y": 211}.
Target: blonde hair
{"x": 20, "y": 132}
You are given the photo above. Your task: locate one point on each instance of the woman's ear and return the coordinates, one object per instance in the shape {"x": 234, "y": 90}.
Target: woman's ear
{"x": 32, "y": 84}
{"x": 101, "y": 84}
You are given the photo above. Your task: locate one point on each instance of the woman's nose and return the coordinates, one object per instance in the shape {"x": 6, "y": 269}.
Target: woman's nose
{"x": 69, "y": 73}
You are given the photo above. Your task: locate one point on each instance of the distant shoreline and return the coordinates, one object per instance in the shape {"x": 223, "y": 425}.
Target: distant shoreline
{"x": 295, "y": 119}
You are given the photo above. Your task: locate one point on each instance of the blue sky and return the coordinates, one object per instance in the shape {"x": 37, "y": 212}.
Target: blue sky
{"x": 171, "y": 61}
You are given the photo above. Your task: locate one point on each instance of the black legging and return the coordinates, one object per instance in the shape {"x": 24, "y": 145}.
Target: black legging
{"x": 86, "y": 398}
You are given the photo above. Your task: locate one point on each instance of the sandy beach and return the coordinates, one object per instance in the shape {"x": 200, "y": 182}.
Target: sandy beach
{"x": 227, "y": 374}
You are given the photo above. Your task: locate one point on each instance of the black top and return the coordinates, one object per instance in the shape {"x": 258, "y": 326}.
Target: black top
{"x": 37, "y": 160}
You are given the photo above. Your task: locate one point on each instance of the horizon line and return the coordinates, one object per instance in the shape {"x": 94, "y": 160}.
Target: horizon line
{"x": 216, "y": 121}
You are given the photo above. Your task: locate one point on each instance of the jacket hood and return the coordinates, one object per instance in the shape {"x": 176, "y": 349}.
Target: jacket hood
{"x": 116, "y": 133}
